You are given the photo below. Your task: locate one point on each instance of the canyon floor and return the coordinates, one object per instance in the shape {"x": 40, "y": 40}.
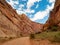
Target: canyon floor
{"x": 28, "y": 41}
{"x": 13, "y": 25}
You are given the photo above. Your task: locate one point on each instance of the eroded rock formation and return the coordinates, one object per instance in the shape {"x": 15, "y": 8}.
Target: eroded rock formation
{"x": 54, "y": 19}
{"x": 12, "y": 24}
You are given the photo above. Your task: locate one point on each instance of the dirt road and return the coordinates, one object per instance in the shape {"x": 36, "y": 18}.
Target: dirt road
{"x": 28, "y": 41}
{"x": 19, "y": 41}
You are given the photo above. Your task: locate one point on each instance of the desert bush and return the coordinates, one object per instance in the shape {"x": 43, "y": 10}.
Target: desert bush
{"x": 32, "y": 36}
{"x": 55, "y": 38}
{"x": 52, "y": 28}
{"x": 37, "y": 32}
{"x": 11, "y": 38}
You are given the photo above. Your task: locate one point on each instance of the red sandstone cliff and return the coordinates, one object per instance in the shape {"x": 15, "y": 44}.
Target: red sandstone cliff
{"x": 54, "y": 19}
{"x": 12, "y": 24}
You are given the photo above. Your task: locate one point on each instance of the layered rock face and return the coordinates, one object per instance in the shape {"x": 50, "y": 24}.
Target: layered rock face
{"x": 54, "y": 19}
{"x": 12, "y": 24}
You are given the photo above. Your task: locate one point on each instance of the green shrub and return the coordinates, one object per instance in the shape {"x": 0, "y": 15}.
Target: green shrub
{"x": 53, "y": 28}
{"x": 56, "y": 38}
{"x": 32, "y": 36}
{"x": 53, "y": 36}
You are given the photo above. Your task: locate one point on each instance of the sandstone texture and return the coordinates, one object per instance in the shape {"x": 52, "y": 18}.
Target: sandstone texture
{"x": 13, "y": 24}
{"x": 54, "y": 19}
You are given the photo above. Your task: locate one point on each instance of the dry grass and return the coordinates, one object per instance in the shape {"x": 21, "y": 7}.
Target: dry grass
{"x": 51, "y": 36}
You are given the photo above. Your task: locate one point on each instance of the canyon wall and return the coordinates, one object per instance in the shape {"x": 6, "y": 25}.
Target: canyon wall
{"x": 54, "y": 18}
{"x": 13, "y": 24}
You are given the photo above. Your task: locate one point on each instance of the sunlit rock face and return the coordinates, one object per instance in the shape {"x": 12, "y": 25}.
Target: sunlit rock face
{"x": 12, "y": 24}
{"x": 54, "y": 18}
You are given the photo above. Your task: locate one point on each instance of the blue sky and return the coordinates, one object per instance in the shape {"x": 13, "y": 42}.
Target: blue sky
{"x": 36, "y": 10}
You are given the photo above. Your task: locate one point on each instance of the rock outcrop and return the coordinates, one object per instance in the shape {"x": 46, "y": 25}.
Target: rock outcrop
{"x": 12, "y": 24}
{"x": 54, "y": 19}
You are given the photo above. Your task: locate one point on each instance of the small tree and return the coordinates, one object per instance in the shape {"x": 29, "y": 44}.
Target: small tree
{"x": 32, "y": 36}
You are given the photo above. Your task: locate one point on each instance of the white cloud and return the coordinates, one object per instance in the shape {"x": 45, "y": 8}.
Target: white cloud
{"x": 38, "y": 15}
{"x": 37, "y": 5}
{"x": 20, "y": 7}
{"x": 42, "y": 14}
{"x": 50, "y": 7}
{"x": 51, "y": 1}
{"x": 31, "y": 2}
{"x": 29, "y": 11}
{"x": 12, "y": 3}
{"x": 20, "y": 12}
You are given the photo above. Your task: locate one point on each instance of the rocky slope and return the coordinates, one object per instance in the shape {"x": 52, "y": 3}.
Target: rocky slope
{"x": 54, "y": 19}
{"x": 12, "y": 24}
